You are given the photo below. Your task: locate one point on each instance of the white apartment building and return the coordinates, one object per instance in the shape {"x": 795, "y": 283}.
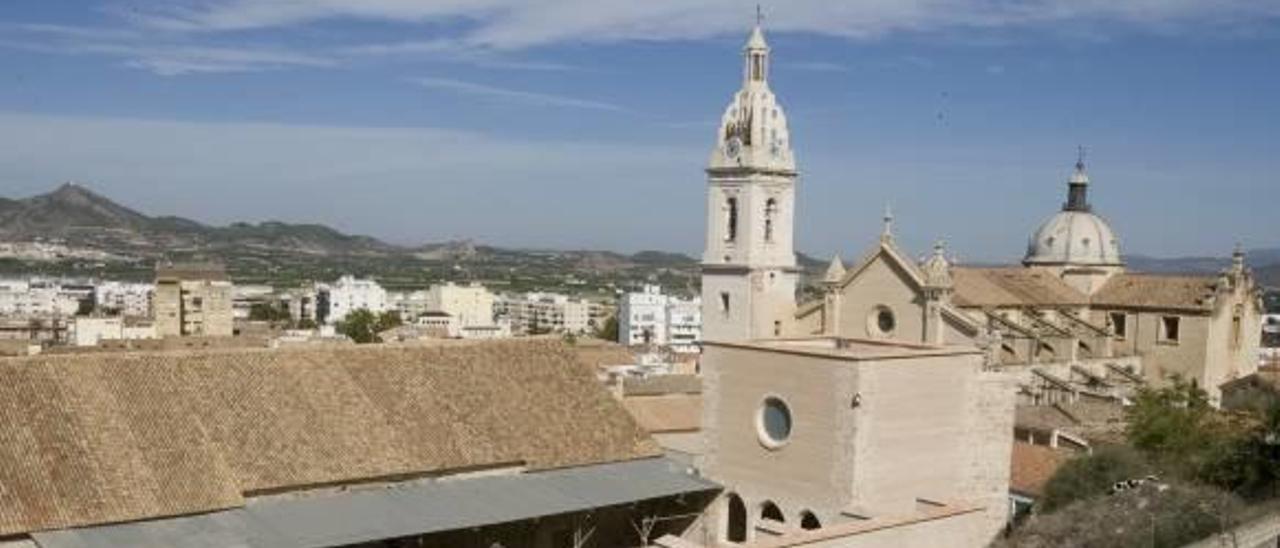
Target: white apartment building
{"x": 470, "y": 305}
{"x": 642, "y": 317}
{"x": 349, "y": 294}
{"x": 411, "y": 305}
{"x": 530, "y": 313}
{"x": 649, "y": 317}
{"x": 124, "y": 298}
{"x": 91, "y": 331}
{"x": 36, "y": 298}
{"x": 684, "y": 324}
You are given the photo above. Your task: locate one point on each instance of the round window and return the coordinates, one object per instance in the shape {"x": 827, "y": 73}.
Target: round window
{"x": 774, "y": 422}
{"x": 885, "y": 321}
{"x": 881, "y": 322}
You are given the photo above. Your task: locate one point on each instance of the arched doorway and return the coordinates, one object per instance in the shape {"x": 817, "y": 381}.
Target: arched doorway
{"x": 736, "y": 528}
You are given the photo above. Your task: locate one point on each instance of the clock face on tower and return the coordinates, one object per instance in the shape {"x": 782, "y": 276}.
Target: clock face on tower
{"x": 733, "y": 148}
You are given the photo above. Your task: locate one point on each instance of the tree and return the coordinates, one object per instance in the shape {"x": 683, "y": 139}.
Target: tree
{"x": 388, "y": 320}
{"x": 360, "y": 326}
{"x": 266, "y": 312}
{"x": 609, "y": 331}
{"x": 1155, "y": 514}
{"x": 1092, "y": 475}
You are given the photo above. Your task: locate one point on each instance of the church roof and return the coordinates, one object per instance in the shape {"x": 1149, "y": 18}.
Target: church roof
{"x": 1012, "y": 286}
{"x": 104, "y": 438}
{"x": 1156, "y": 291}
{"x": 670, "y": 413}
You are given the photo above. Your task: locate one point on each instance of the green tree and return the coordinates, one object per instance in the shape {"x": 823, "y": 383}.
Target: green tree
{"x": 266, "y": 312}
{"x": 388, "y": 320}
{"x": 1092, "y": 475}
{"x": 360, "y": 326}
{"x": 609, "y": 331}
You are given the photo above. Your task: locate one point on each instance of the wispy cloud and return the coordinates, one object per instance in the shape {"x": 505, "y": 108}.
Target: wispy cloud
{"x": 160, "y": 56}
{"x": 817, "y": 66}
{"x": 512, "y": 24}
{"x": 512, "y": 95}
{"x": 450, "y": 51}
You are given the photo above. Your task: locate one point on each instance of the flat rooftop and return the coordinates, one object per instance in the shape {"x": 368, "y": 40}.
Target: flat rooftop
{"x": 850, "y": 348}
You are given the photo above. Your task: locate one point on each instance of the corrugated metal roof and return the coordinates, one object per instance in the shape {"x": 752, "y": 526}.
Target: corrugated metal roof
{"x": 397, "y": 511}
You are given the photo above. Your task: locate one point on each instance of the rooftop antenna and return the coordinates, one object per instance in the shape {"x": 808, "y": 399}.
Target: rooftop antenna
{"x": 1080, "y": 154}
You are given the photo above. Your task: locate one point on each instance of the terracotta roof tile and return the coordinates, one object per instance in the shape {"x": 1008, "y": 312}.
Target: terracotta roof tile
{"x": 672, "y": 413}
{"x": 1155, "y": 291}
{"x": 1012, "y": 286}
{"x": 1032, "y": 466}
{"x": 105, "y": 438}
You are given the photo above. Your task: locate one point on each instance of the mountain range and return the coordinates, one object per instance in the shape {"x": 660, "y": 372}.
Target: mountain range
{"x": 74, "y": 216}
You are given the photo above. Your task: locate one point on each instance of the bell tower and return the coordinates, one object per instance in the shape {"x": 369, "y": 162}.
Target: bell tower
{"x": 749, "y": 269}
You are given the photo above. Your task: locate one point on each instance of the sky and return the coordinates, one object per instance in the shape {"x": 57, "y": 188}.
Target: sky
{"x": 587, "y": 124}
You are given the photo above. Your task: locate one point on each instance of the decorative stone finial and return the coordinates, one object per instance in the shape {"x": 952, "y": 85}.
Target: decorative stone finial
{"x": 835, "y": 272}
{"x": 937, "y": 270}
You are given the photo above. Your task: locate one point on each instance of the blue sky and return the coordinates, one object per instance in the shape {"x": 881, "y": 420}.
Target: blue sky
{"x": 586, "y": 123}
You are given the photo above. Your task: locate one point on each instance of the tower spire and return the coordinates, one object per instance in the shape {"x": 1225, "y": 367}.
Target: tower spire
{"x": 1078, "y": 186}
{"x": 757, "y": 53}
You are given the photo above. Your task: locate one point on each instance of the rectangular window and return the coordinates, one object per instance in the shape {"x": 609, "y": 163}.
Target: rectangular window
{"x": 1118, "y": 324}
{"x": 1169, "y": 327}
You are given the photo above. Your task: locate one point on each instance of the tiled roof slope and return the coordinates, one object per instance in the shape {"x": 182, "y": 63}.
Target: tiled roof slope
{"x": 1012, "y": 286}
{"x": 116, "y": 437}
{"x": 1155, "y": 291}
{"x": 671, "y": 413}
{"x": 1032, "y": 466}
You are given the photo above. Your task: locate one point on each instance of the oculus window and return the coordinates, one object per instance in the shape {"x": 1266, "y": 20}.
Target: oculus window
{"x": 774, "y": 422}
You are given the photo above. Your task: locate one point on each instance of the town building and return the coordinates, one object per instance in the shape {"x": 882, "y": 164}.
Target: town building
{"x": 409, "y": 304}
{"x": 245, "y": 297}
{"x": 193, "y": 300}
{"x": 123, "y": 299}
{"x": 37, "y": 298}
{"x": 92, "y": 330}
{"x": 470, "y": 305}
{"x": 651, "y": 318}
{"x": 538, "y": 313}
{"x": 347, "y": 295}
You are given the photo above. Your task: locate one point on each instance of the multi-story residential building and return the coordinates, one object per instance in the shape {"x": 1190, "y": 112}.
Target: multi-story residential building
{"x": 649, "y": 317}
{"x": 38, "y": 298}
{"x": 642, "y": 317}
{"x": 244, "y": 297}
{"x": 684, "y": 324}
{"x": 193, "y": 300}
{"x": 123, "y": 298}
{"x": 411, "y": 305}
{"x": 533, "y": 313}
{"x": 470, "y": 305}
{"x": 347, "y": 295}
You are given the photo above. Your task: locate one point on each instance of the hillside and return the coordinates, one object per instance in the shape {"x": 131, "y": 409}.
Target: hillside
{"x": 79, "y": 218}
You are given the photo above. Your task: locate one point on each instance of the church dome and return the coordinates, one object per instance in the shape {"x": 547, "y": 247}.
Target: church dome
{"x": 1075, "y": 235}
{"x": 1074, "y": 238}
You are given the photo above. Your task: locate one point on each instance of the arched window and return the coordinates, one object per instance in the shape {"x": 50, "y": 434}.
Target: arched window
{"x": 809, "y": 521}
{"x": 770, "y": 211}
{"x": 736, "y": 527}
{"x": 769, "y": 510}
{"x": 731, "y": 219}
